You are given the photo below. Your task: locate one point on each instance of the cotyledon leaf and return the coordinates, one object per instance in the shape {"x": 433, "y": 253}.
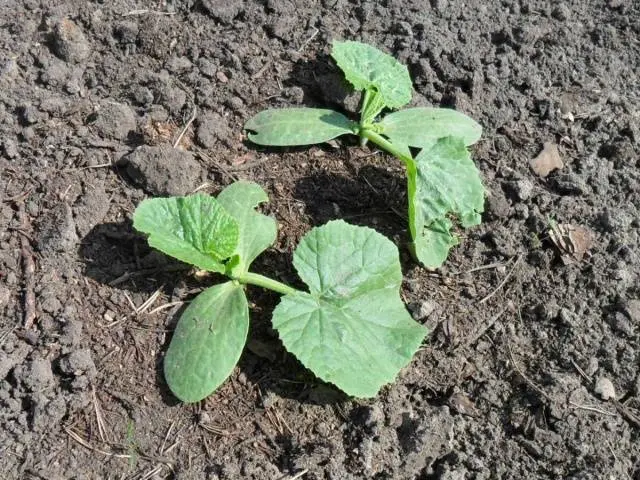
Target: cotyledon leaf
{"x": 447, "y": 183}
{"x": 367, "y": 68}
{"x": 298, "y": 126}
{"x": 422, "y": 127}
{"x": 207, "y": 342}
{"x": 352, "y": 328}
{"x": 257, "y": 231}
{"x": 194, "y": 229}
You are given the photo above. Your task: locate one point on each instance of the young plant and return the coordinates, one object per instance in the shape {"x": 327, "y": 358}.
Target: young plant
{"x": 351, "y": 328}
{"x": 442, "y": 181}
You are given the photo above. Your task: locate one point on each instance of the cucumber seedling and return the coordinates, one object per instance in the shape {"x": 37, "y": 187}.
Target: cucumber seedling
{"x": 351, "y": 327}
{"x": 442, "y": 180}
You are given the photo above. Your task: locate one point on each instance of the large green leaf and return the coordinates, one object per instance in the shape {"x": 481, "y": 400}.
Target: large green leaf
{"x": 193, "y": 229}
{"x": 445, "y": 183}
{"x": 207, "y": 342}
{"x": 298, "y": 126}
{"x": 352, "y": 329}
{"x": 422, "y": 127}
{"x": 367, "y": 68}
{"x": 257, "y": 231}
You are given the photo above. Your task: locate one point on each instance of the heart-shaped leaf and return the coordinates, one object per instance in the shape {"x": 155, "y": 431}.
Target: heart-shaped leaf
{"x": 352, "y": 329}
{"x": 444, "y": 181}
{"x": 367, "y": 68}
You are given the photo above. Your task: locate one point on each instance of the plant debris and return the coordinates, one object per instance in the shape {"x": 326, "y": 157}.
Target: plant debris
{"x": 572, "y": 241}
{"x": 547, "y": 160}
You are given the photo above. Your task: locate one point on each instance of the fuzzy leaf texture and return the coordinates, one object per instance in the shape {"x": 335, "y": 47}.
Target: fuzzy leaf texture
{"x": 422, "y": 127}
{"x": 447, "y": 184}
{"x": 257, "y": 232}
{"x": 194, "y": 229}
{"x": 367, "y": 68}
{"x": 207, "y": 342}
{"x": 352, "y": 328}
{"x": 297, "y": 126}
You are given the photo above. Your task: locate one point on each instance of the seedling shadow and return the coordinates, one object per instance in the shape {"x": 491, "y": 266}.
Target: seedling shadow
{"x": 372, "y": 197}
{"x": 114, "y": 254}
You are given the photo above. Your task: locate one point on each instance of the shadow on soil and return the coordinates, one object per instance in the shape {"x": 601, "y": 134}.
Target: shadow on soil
{"x": 373, "y": 197}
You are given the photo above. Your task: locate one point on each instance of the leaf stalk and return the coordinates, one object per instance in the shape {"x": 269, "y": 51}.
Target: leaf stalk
{"x": 266, "y": 282}
{"x": 385, "y": 145}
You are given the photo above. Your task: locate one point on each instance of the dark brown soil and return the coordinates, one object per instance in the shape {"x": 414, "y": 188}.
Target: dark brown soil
{"x": 93, "y": 96}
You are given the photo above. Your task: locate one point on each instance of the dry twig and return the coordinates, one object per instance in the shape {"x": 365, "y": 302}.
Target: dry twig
{"x": 186, "y": 127}
{"x": 530, "y": 382}
{"x": 29, "y": 269}
{"x": 297, "y": 475}
{"x": 503, "y": 282}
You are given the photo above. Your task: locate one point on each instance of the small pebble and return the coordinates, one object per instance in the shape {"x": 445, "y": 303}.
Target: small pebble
{"x": 114, "y": 120}
{"x": 421, "y": 310}
{"x": 69, "y": 43}
{"x": 10, "y": 148}
{"x": 5, "y": 296}
{"x": 561, "y": 12}
{"x": 524, "y": 189}
{"x": 605, "y": 388}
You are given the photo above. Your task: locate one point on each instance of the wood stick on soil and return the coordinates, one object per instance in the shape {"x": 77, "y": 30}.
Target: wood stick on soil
{"x": 186, "y": 127}
{"x": 503, "y": 282}
{"x": 297, "y": 475}
{"x": 530, "y": 382}
{"x": 626, "y": 413}
{"x": 589, "y": 408}
{"x": 28, "y": 269}
{"x": 99, "y": 418}
{"x": 484, "y": 329}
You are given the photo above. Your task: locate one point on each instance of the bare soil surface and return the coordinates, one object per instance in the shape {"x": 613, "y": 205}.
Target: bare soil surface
{"x": 529, "y": 333}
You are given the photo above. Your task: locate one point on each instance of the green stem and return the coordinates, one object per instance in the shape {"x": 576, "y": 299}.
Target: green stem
{"x": 365, "y": 103}
{"x": 412, "y": 172}
{"x": 266, "y": 282}
{"x": 385, "y": 145}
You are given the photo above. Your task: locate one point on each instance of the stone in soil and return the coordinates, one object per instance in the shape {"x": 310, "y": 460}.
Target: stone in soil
{"x": 57, "y": 230}
{"x": 163, "y": 170}
{"x": 212, "y": 128}
{"x": 224, "y": 12}
{"x": 10, "y": 148}
{"x": 113, "y": 120}
{"x": 78, "y": 363}
{"x": 69, "y": 42}
{"x": 35, "y": 375}
{"x": 605, "y": 388}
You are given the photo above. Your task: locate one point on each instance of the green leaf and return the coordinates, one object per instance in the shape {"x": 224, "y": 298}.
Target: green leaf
{"x": 207, "y": 342}
{"x": 432, "y": 246}
{"x": 352, "y": 329}
{"x": 445, "y": 182}
{"x": 367, "y": 68}
{"x": 422, "y": 127}
{"x": 193, "y": 229}
{"x": 298, "y": 126}
{"x": 257, "y": 231}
